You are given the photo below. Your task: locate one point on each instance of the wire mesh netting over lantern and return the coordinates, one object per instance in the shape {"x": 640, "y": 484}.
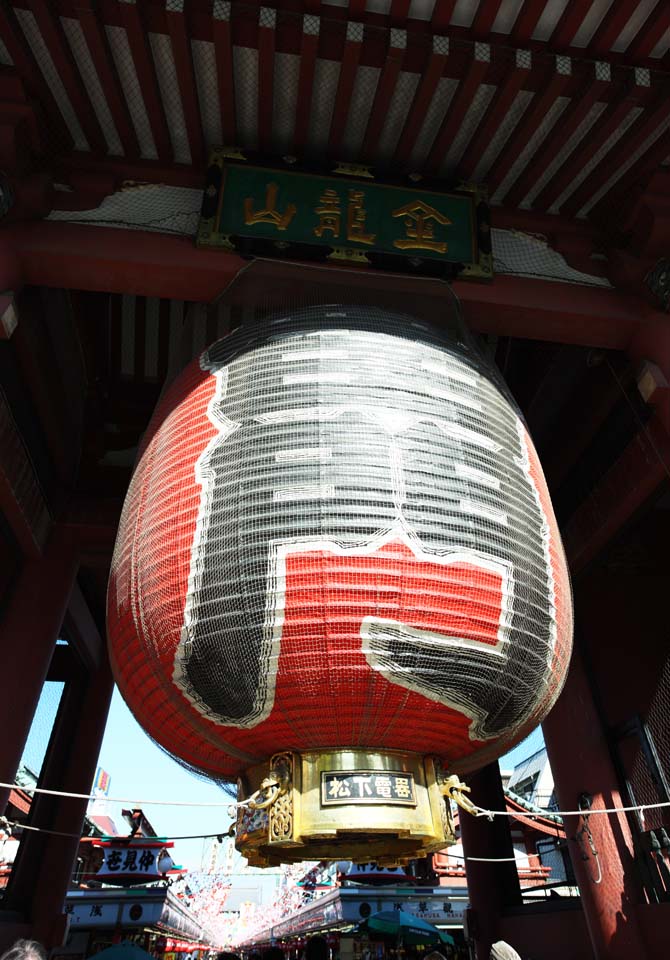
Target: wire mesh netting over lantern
{"x": 338, "y": 534}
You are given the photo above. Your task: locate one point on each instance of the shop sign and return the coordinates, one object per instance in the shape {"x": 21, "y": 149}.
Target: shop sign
{"x": 92, "y": 914}
{"x": 354, "y": 219}
{"x": 367, "y": 786}
{"x": 436, "y": 910}
{"x": 373, "y": 873}
{"x": 134, "y": 863}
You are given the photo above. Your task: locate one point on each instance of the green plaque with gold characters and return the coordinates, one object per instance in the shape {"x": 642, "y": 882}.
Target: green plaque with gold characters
{"x": 297, "y": 214}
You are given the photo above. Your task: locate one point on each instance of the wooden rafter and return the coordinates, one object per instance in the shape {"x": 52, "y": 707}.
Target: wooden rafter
{"x": 526, "y": 20}
{"x": 459, "y": 107}
{"x": 140, "y": 50}
{"x": 223, "y": 50}
{"x": 441, "y": 15}
{"x": 183, "y": 60}
{"x": 422, "y": 98}
{"x": 345, "y": 86}
{"x": 568, "y": 24}
{"x": 483, "y": 21}
{"x": 384, "y": 93}
{"x": 303, "y": 108}
{"x": 266, "y": 57}
{"x": 610, "y": 27}
{"x": 649, "y": 34}
{"x": 98, "y": 45}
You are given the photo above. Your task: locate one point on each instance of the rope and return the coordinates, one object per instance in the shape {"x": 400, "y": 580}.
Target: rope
{"x": 229, "y": 804}
{"x": 129, "y": 800}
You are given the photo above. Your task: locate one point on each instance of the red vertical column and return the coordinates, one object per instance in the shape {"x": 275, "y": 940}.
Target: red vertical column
{"x": 491, "y": 886}
{"x": 28, "y": 633}
{"x": 82, "y": 739}
{"x": 600, "y": 845}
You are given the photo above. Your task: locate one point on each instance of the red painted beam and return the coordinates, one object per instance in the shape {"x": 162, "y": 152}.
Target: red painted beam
{"x": 98, "y": 45}
{"x": 345, "y": 86}
{"x": 61, "y": 54}
{"x": 66, "y": 255}
{"x": 266, "y": 68}
{"x": 641, "y": 129}
{"x": 610, "y": 27}
{"x": 606, "y": 124}
{"x": 26, "y": 66}
{"x": 442, "y": 14}
{"x": 422, "y": 98}
{"x": 398, "y": 12}
{"x": 528, "y": 126}
{"x": 626, "y": 486}
{"x": 650, "y": 32}
{"x": 526, "y": 20}
{"x": 574, "y": 114}
{"x": 356, "y": 9}
{"x": 384, "y": 93}
{"x": 140, "y": 50}
{"x": 180, "y": 42}
{"x": 629, "y": 186}
{"x": 75, "y": 256}
{"x": 484, "y": 19}
{"x": 569, "y": 23}
{"x": 303, "y": 108}
{"x": 21, "y": 501}
{"x": 497, "y": 109}
{"x": 223, "y": 48}
{"x": 458, "y": 108}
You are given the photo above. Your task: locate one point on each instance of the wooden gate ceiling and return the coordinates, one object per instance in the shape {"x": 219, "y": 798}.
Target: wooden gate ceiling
{"x": 559, "y": 106}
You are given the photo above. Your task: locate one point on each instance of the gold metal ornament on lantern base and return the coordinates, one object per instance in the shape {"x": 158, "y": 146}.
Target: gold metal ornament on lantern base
{"x": 359, "y": 805}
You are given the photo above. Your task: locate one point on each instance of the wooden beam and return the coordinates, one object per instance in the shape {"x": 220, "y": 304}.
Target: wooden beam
{"x": 345, "y": 86}
{"x": 98, "y": 45}
{"x": 530, "y": 122}
{"x": 223, "y": 48}
{"x": 458, "y": 108}
{"x": 569, "y": 23}
{"x": 28, "y": 70}
{"x": 267, "y": 21}
{"x": 627, "y": 485}
{"x": 423, "y": 95}
{"x": 650, "y": 33}
{"x": 571, "y": 118}
{"x": 526, "y": 20}
{"x": 51, "y": 29}
{"x": 499, "y": 105}
{"x": 183, "y": 60}
{"x": 483, "y": 21}
{"x": 441, "y": 15}
{"x": 60, "y": 254}
{"x": 625, "y": 147}
{"x": 309, "y": 44}
{"x": 384, "y": 93}
{"x": 140, "y": 50}
{"x": 610, "y": 27}
{"x": 606, "y": 124}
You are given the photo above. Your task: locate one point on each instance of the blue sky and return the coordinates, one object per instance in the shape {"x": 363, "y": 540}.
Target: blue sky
{"x": 139, "y": 769}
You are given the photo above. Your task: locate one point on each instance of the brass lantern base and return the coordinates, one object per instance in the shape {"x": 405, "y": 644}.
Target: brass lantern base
{"x": 356, "y": 804}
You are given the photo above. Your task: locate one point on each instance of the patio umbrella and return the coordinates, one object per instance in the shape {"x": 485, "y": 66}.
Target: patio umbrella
{"x": 123, "y": 951}
{"x": 411, "y": 930}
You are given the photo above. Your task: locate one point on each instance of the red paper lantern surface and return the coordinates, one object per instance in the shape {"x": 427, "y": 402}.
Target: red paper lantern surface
{"x": 338, "y": 534}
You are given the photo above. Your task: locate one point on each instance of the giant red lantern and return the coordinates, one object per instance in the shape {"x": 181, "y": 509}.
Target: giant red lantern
{"x": 338, "y": 556}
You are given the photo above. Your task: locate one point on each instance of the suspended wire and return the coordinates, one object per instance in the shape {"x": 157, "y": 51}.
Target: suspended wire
{"x": 129, "y": 800}
{"x": 230, "y": 804}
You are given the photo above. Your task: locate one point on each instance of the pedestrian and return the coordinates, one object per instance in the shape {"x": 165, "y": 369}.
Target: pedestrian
{"x": 25, "y": 950}
{"x": 273, "y": 953}
{"x": 503, "y": 951}
{"x": 317, "y": 949}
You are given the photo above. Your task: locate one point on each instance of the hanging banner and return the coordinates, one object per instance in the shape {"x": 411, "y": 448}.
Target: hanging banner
{"x": 359, "y": 220}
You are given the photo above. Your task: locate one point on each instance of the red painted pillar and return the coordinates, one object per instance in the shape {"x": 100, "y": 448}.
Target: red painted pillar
{"x": 82, "y": 742}
{"x": 491, "y": 886}
{"x": 28, "y": 633}
{"x": 581, "y": 764}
